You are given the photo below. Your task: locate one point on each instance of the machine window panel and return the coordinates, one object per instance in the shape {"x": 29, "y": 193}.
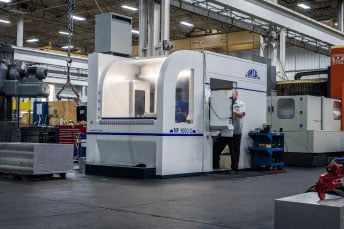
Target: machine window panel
{"x": 337, "y": 112}
{"x": 152, "y": 98}
{"x": 184, "y": 97}
{"x": 139, "y": 103}
{"x": 130, "y": 89}
{"x": 286, "y": 108}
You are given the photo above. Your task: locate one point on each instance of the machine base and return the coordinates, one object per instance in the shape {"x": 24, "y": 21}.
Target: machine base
{"x": 306, "y": 159}
{"x": 307, "y": 211}
{"x": 120, "y": 171}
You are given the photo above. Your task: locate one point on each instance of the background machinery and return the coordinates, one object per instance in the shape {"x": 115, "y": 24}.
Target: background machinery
{"x": 18, "y": 81}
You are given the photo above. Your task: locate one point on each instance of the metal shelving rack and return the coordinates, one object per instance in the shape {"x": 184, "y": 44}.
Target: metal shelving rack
{"x": 267, "y": 150}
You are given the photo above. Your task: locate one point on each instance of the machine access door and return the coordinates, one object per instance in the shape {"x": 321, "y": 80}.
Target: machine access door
{"x": 295, "y": 113}
{"x": 221, "y": 103}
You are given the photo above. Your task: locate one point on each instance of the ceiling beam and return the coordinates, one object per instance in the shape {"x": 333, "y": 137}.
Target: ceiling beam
{"x": 314, "y": 48}
{"x": 211, "y": 14}
{"x": 43, "y": 57}
{"x": 284, "y": 17}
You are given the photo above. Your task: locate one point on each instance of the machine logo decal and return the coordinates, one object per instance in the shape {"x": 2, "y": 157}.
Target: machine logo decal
{"x": 253, "y": 74}
{"x": 182, "y": 131}
{"x": 337, "y": 59}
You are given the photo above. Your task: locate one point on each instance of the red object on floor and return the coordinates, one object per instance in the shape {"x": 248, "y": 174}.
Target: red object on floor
{"x": 330, "y": 180}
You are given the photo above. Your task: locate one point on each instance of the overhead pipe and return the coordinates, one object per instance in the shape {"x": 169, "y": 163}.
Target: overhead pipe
{"x": 310, "y": 73}
{"x": 282, "y": 43}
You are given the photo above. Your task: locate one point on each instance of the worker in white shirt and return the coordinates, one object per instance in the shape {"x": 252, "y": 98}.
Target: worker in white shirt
{"x": 232, "y": 142}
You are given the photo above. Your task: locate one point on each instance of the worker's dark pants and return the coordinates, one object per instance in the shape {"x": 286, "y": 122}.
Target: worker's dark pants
{"x": 234, "y": 148}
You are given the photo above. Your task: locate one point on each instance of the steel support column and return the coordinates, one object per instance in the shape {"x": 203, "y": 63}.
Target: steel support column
{"x": 150, "y": 17}
{"x": 340, "y": 15}
{"x": 142, "y": 28}
{"x": 165, "y": 23}
{"x": 83, "y": 94}
{"x": 156, "y": 42}
{"x": 20, "y": 31}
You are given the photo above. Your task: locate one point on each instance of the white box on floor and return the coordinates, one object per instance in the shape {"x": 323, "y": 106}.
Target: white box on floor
{"x": 308, "y": 211}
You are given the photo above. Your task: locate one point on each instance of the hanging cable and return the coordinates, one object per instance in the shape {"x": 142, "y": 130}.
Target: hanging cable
{"x": 70, "y": 10}
{"x": 98, "y": 6}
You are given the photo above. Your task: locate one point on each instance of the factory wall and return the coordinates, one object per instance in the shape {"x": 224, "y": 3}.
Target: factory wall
{"x": 299, "y": 59}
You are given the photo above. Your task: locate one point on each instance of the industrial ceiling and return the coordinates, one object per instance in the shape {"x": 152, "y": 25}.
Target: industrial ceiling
{"x": 44, "y": 19}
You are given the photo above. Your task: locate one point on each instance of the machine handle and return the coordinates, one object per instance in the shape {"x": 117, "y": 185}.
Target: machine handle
{"x": 270, "y": 108}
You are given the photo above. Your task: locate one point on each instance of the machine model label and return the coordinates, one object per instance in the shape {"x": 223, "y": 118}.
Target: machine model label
{"x": 253, "y": 74}
{"x": 182, "y": 131}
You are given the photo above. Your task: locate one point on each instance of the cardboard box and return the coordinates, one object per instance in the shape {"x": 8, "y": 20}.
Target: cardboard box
{"x": 65, "y": 110}
{"x": 26, "y": 119}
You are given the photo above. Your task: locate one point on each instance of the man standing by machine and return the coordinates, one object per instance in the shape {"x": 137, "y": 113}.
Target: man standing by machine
{"x": 232, "y": 142}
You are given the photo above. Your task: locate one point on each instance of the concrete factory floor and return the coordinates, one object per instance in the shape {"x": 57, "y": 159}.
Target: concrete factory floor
{"x": 210, "y": 201}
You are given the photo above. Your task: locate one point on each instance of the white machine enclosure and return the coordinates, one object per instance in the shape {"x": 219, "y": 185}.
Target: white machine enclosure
{"x": 155, "y": 111}
{"x": 311, "y": 123}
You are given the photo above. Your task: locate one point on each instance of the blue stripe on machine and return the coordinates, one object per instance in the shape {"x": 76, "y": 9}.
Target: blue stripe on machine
{"x": 246, "y": 89}
{"x": 124, "y": 118}
{"x": 142, "y": 134}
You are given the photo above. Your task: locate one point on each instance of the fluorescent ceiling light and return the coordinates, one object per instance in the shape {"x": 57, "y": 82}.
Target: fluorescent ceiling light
{"x": 6, "y": 1}
{"x": 64, "y": 33}
{"x": 32, "y": 40}
{"x": 4, "y": 21}
{"x": 129, "y": 8}
{"x": 303, "y": 6}
{"x": 135, "y": 31}
{"x": 186, "y": 23}
{"x": 66, "y": 47}
{"x": 78, "y": 18}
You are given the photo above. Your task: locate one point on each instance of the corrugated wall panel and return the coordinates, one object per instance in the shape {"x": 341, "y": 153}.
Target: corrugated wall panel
{"x": 298, "y": 59}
